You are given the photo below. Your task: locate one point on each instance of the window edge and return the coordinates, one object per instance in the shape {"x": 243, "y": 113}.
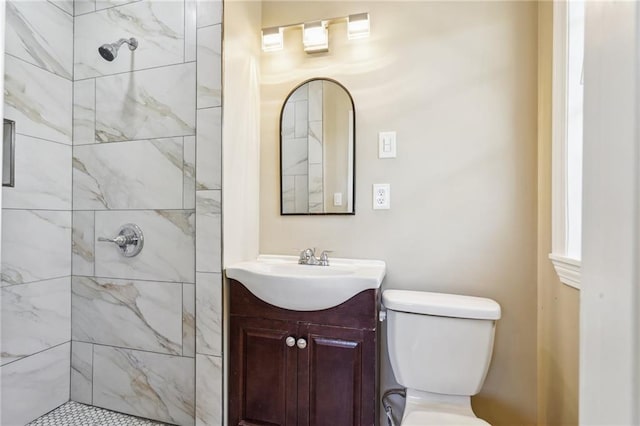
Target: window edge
{"x": 569, "y": 270}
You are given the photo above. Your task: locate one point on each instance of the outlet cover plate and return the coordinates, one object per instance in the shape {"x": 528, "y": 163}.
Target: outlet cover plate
{"x": 381, "y": 196}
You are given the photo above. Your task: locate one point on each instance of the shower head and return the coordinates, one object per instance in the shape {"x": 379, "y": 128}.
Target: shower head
{"x": 110, "y": 51}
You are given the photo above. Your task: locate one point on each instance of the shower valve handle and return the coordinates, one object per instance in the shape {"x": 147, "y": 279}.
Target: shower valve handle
{"x": 120, "y": 240}
{"x": 129, "y": 240}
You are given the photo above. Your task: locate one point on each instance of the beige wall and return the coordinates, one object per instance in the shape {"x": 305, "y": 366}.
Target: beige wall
{"x": 558, "y": 304}
{"x": 457, "y": 82}
{"x": 241, "y": 143}
{"x": 336, "y": 112}
{"x": 240, "y": 129}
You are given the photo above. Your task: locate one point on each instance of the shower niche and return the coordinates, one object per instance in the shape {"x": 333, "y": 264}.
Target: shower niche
{"x": 8, "y": 152}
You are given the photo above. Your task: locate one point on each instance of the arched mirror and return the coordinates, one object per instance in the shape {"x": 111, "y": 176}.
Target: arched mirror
{"x": 317, "y": 150}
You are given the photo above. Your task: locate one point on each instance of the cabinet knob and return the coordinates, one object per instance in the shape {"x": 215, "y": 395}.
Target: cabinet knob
{"x": 291, "y": 341}
{"x": 302, "y": 343}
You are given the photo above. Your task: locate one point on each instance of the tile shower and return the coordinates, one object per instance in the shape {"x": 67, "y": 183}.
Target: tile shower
{"x": 101, "y": 144}
{"x": 302, "y": 154}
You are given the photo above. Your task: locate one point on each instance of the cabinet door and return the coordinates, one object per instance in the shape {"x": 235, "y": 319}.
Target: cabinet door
{"x": 336, "y": 377}
{"x": 262, "y": 379}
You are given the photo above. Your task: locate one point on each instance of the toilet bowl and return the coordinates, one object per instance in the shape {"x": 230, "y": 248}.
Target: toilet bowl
{"x": 424, "y": 408}
{"x": 440, "y": 348}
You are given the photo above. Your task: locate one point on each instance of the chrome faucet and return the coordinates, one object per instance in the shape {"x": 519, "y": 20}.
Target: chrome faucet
{"x": 308, "y": 257}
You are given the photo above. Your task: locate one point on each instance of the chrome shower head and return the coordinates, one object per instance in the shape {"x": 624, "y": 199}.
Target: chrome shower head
{"x": 110, "y": 51}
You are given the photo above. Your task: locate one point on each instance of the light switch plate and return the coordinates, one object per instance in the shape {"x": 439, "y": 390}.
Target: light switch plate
{"x": 387, "y": 145}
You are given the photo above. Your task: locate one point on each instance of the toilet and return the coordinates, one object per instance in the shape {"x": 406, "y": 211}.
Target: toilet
{"x": 440, "y": 348}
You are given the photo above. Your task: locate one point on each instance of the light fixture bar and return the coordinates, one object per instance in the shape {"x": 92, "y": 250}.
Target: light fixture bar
{"x": 315, "y": 37}
{"x": 272, "y": 39}
{"x": 358, "y": 26}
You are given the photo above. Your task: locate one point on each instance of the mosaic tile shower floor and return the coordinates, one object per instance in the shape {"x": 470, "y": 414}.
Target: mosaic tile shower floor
{"x": 76, "y": 414}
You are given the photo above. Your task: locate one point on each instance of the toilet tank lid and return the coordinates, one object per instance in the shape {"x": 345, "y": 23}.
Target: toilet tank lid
{"x": 441, "y": 304}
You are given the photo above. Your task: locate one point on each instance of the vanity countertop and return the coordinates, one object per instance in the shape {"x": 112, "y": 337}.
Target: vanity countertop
{"x": 282, "y": 282}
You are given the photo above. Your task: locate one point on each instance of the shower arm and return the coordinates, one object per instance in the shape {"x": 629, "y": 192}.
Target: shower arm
{"x": 132, "y": 43}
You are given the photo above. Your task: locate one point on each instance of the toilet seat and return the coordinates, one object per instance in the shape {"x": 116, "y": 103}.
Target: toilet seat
{"x": 425, "y": 418}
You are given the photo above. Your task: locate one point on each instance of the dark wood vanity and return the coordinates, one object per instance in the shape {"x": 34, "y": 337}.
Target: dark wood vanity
{"x": 303, "y": 367}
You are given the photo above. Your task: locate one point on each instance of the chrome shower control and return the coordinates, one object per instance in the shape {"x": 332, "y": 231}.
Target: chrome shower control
{"x": 302, "y": 343}
{"x": 291, "y": 341}
{"x": 129, "y": 240}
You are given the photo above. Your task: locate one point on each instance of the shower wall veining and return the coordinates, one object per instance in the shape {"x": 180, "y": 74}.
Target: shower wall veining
{"x": 105, "y": 144}
{"x": 36, "y": 216}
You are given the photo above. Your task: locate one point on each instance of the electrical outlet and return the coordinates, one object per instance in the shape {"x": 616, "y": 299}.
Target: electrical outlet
{"x": 381, "y": 196}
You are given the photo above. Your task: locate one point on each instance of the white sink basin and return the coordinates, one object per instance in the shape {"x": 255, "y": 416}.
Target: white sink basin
{"x": 282, "y": 282}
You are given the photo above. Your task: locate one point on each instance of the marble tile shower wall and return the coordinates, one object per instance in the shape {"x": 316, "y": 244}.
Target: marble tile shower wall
{"x": 36, "y": 217}
{"x": 302, "y": 175}
{"x": 146, "y": 331}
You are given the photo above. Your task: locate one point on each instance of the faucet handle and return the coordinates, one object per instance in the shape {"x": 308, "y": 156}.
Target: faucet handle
{"x": 308, "y": 257}
{"x": 305, "y": 255}
{"x": 324, "y": 257}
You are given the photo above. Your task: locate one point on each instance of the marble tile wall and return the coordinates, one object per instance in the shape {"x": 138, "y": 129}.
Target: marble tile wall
{"x": 36, "y": 317}
{"x": 100, "y": 144}
{"x": 159, "y": 27}
{"x": 37, "y": 100}
{"x": 35, "y": 385}
{"x": 36, "y": 218}
{"x": 41, "y": 34}
{"x": 145, "y": 384}
{"x": 109, "y": 176}
{"x": 302, "y": 170}
{"x": 150, "y": 312}
{"x": 288, "y": 194}
{"x": 188, "y": 320}
{"x": 208, "y": 390}
{"x": 82, "y": 372}
{"x": 295, "y": 164}
{"x": 209, "y": 313}
{"x": 140, "y": 324}
{"x": 168, "y": 253}
{"x": 314, "y": 141}
{"x": 42, "y": 175}
{"x": 209, "y": 68}
{"x": 208, "y": 217}
{"x": 37, "y": 245}
{"x": 146, "y": 104}
{"x": 208, "y": 146}
{"x": 208, "y": 200}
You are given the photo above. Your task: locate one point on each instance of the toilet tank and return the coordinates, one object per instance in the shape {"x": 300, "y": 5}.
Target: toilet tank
{"x": 440, "y": 343}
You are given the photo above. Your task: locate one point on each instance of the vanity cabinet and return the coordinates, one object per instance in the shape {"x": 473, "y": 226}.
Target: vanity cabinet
{"x": 302, "y": 368}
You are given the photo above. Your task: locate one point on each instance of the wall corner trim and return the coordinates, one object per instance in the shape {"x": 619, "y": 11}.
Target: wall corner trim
{"x": 569, "y": 270}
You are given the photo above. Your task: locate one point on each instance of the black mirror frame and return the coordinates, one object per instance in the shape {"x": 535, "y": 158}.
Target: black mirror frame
{"x": 353, "y": 189}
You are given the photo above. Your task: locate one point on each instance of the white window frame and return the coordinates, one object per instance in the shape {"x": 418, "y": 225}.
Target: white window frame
{"x": 567, "y": 268}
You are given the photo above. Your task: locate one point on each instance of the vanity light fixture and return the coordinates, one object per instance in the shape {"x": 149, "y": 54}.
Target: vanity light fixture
{"x": 272, "y": 39}
{"x": 315, "y": 35}
{"x": 358, "y": 26}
